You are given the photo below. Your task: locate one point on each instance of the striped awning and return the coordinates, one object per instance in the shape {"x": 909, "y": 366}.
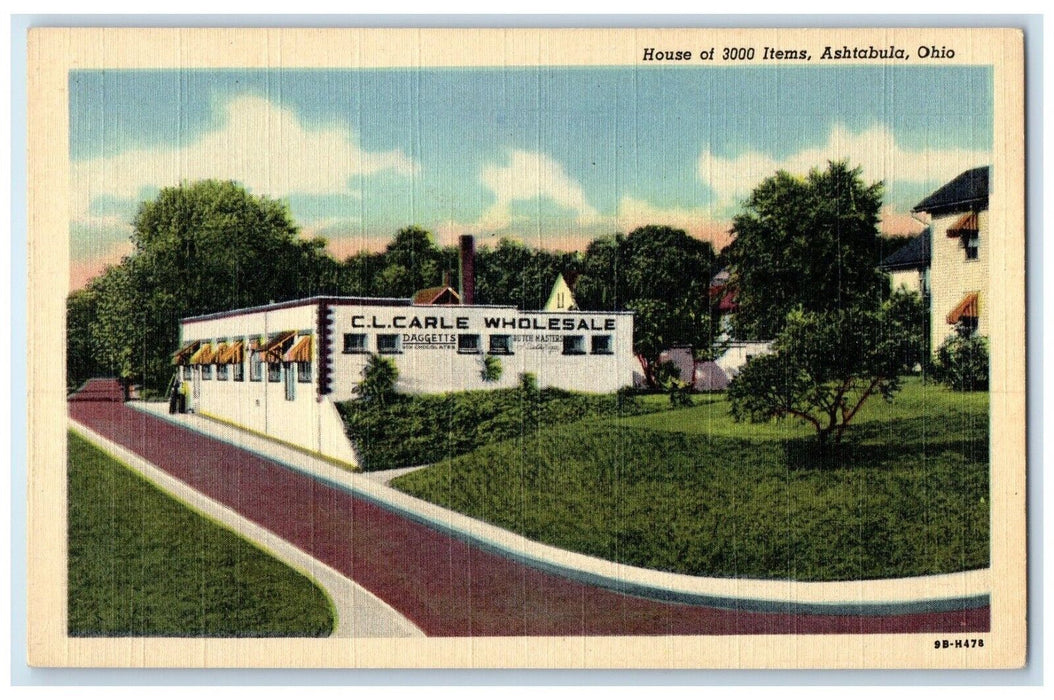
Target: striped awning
{"x": 301, "y": 352}
{"x": 203, "y": 356}
{"x": 967, "y": 308}
{"x": 182, "y": 356}
{"x": 230, "y": 354}
{"x": 275, "y": 347}
{"x": 967, "y": 223}
{"x": 218, "y": 353}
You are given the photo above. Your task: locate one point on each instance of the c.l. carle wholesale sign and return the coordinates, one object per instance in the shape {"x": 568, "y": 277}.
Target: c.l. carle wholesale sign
{"x": 573, "y": 340}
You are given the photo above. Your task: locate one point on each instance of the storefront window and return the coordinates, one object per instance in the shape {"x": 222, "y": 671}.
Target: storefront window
{"x": 388, "y": 344}
{"x": 574, "y": 345}
{"x": 500, "y": 345}
{"x": 601, "y": 345}
{"x": 355, "y": 343}
{"x": 468, "y": 343}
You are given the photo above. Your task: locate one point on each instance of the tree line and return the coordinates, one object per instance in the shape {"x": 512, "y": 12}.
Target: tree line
{"x": 212, "y": 246}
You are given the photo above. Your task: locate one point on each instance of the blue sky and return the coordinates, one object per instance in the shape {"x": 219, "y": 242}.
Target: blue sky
{"x": 551, "y": 156}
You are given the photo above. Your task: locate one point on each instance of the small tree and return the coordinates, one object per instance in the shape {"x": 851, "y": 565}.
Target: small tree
{"x": 962, "y": 361}
{"x": 492, "y": 369}
{"x": 378, "y": 380}
{"x": 823, "y": 369}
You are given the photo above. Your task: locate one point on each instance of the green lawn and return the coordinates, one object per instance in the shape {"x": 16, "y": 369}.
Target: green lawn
{"x": 141, "y": 564}
{"x": 692, "y": 491}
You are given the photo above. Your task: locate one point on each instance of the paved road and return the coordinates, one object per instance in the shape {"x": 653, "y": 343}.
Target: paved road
{"x": 447, "y": 587}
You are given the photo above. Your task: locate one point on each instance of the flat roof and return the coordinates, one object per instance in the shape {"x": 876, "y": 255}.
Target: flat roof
{"x": 376, "y": 301}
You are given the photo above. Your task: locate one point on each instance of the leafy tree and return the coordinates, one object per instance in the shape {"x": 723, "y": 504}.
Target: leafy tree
{"x": 908, "y": 318}
{"x": 378, "y": 380}
{"x": 81, "y": 360}
{"x": 810, "y": 243}
{"x": 824, "y": 367}
{"x": 511, "y": 273}
{"x": 200, "y": 247}
{"x": 118, "y": 330}
{"x": 962, "y": 361}
{"x": 412, "y": 261}
{"x": 662, "y": 274}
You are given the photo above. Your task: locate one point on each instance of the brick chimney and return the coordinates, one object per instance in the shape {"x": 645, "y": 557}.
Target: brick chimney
{"x": 467, "y": 270}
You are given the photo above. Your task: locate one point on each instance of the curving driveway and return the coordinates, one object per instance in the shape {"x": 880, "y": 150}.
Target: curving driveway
{"x": 445, "y": 586}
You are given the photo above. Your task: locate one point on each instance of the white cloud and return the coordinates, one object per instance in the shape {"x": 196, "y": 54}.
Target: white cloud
{"x": 875, "y": 150}
{"x": 528, "y": 176}
{"x": 264, "y": 147}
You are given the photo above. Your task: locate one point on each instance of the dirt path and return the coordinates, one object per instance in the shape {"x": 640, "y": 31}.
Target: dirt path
{"x": 447, "y": 587}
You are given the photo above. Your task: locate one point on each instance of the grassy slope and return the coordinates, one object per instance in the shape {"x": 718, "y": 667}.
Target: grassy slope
{"x": 694, "y": 492}
{"x": 141, "y": 564}
{"x": 423, "y": 429}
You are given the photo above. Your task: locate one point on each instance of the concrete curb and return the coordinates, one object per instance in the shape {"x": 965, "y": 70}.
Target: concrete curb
{"x": 924, "y": 594}
{"x": 359, "y": 613}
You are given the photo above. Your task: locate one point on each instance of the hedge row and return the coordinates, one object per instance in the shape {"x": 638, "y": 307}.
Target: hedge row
{"x": 412, "y": 430}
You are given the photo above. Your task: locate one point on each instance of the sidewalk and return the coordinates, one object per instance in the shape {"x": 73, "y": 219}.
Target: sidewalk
{"x": 928, "y": 594}
{"x": 359, "y": 613}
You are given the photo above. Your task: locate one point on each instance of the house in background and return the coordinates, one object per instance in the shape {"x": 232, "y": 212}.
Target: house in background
{"x": 959, "y": 247}
{"x": 909, "y": 265}
{"x": 562, "y": 298}
{"x": 737, "y": 351}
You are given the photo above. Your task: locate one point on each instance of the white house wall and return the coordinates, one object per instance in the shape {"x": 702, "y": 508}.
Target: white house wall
{"x": 952, "y": 276}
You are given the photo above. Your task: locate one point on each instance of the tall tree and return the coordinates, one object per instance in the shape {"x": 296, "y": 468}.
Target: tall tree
{"x": 200, "y": 247}
{"x": 511, "y": 273}
{"x": 412, "y": 261}
{"x": 810, "y": 243}
{"x": 662, "y": 274}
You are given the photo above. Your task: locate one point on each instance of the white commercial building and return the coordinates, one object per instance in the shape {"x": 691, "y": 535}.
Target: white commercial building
{"x": 278, "y": 369}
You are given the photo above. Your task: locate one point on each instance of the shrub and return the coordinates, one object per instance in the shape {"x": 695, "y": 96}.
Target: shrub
{"x": 408, "y": 430}
{"x": 378, "y": 380}
{"x": 962, "y": 361}
{"x": 492, "y": 369}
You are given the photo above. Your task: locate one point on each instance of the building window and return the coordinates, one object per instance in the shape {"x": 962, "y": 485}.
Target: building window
{"x": 274, "y": 372}
{"x": 206, "y": 371}
{"x": 222, "y": 373}
{"x": 601, "y": 345}
{"x": 924, "y": 281}
{"x": 972, "y": 244}
{"x": 355, "y": 343}
{"x": 501, "y": 345}
{"x": 290, "y": 382}
{"x": 468, "y": 343}
{"x": 574, "y": 345}
{"x": 303, "y": 372}
{"x": 388, "y": 344}
{"x": 255, "y": 367}
{"x": 188, "y": 373}
{"x": 239, "y": 371}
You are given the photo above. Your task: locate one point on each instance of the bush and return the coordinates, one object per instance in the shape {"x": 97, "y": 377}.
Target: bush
{"x": 962, "y": 362}
{"x": 378, "y": 380}
{"x": 492, "y": 369}
{"x": 411, "y": 430}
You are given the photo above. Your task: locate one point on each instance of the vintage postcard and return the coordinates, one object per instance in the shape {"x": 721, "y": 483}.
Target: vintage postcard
{"x": 526, "y": 348}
